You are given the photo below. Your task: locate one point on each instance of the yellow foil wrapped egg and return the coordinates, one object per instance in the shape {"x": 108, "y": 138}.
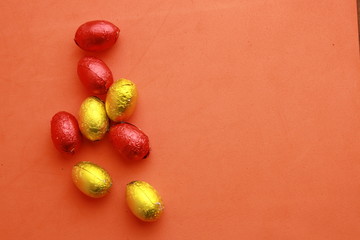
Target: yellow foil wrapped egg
{"x": 144, "y": 201}
{"x": 91, "y": 179}
{"x": 121, "y": 100}
{"x": 93, "y": 121}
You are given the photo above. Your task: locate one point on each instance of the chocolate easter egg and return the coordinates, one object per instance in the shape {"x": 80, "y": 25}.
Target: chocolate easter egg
{"x": 129, "y": 141}
{"x": 65, "y": 133}
{"x": 121, "y": 100}
{"x": 93, "y": 121}
{"x": 144, "y": 201}
{"x": 98, "y": 35}
{"x": 91, "y": 179}
{"x": 95, "y": 75}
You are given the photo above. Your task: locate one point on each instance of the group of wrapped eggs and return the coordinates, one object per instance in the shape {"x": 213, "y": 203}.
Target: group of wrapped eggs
{"x": 94, "y": 122}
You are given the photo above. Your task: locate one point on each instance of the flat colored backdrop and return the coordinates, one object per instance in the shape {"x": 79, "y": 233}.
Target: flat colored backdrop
{"x": 252, "y": 109}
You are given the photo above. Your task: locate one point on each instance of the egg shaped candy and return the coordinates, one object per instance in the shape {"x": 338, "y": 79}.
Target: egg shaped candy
{"x": 144, "y": 201}
{"x": 121, "y": 100}
{"x": 65, "y": 133}
{"x": 93, "y": 121}
{"x": 129, "y": 141}
{"x": 98, "y": 35}
{"x": 95, "y": 75}
{"x": 91, "y": 179}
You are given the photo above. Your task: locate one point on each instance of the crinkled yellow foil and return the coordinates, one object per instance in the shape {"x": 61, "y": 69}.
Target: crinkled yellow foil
{"x": 93, "y": 120}
{"x": 144, "y": 201}
{"x": 91, "y": 179}
{"x": 121, "y": 100}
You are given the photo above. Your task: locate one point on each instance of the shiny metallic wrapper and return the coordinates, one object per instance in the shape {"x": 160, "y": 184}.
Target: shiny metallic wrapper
{"x": 121, "y": 100}
{"x": 131, "y": 143}
{"x": 91, "y": 179}
{"x": 65, "y": 132}
{"x": 93, "y": 121}
{"x": 144, "y": 201}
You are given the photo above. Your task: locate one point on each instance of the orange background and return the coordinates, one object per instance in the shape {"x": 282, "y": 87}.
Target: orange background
{"x": 252, "y": 109}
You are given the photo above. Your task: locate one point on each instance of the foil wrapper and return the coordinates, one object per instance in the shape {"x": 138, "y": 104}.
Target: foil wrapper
{"x": 131, "y": 143}
{"x": 91, "y": 179}
{"x": 93, "y": 121}
{"x": 121, "y": 100}
{"x": 95, "y": 75}
{"x": 65, "y": 132}
{"x": 95, "y": 36}
{"x": 144, "y": 201}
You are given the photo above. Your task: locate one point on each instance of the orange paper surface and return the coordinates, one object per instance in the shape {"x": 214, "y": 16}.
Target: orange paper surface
{"x": 252, "y": 109}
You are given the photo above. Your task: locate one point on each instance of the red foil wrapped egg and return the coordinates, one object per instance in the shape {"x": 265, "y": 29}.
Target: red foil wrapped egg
{"x": 95, "y": 75}
{"x": 96, "y": 35}
{"x": 65, "y": 132}
{"x": 129, "y": 141}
